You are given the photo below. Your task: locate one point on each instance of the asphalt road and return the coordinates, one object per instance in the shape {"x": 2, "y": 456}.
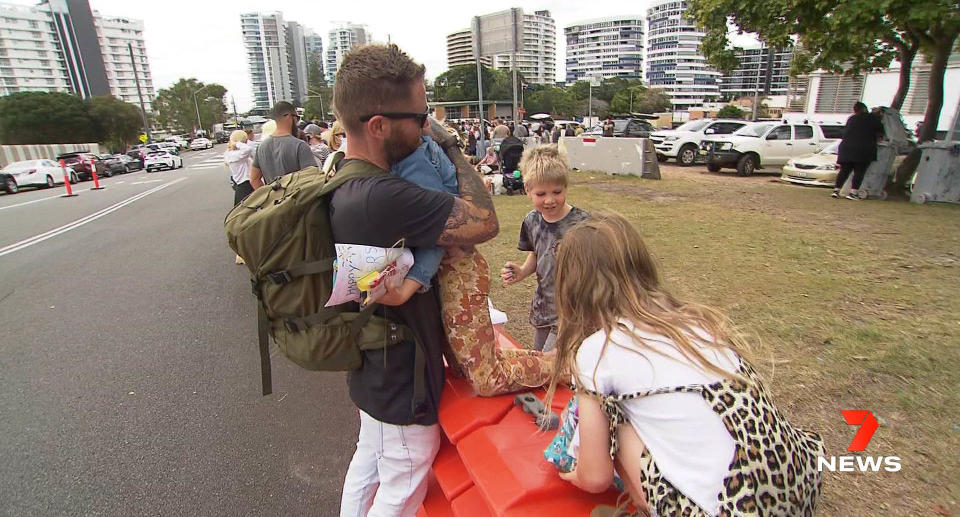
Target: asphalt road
{"x": 129, "y": 365}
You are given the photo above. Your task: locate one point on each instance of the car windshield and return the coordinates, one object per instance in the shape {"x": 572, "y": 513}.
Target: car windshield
{"x": 157, "y": 154}
{"x": 753, "y": 130}
{"x": 833, "y": 148}
{"x": 693, "y": 125}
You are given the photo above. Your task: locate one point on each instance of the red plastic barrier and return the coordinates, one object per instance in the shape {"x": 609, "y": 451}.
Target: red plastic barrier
{"x": 66, "y": 179}
{"x": 491, "y": 461}
{"x": 93, "y": 171}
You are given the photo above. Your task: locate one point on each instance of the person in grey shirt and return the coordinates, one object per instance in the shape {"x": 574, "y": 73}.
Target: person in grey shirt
{"x": 283, "y": 152}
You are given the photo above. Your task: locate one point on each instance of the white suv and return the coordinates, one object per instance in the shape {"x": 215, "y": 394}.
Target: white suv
{"x": 682, "y": 143}
{"x": 765, "y": 144}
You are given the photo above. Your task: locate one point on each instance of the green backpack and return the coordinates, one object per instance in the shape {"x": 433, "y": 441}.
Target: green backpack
{"x": 282, "y": 231}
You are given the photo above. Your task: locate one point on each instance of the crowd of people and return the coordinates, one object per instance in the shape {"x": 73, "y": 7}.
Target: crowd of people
{"x": 666, "y": 401}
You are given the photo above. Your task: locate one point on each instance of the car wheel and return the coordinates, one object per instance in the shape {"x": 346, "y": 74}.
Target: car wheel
{"x": 712, "y": 167}
{"x": 50, "y": 183}
{"x": 687, "y": 155}
{"x": 747, "y": 165}
{"x": 73, "y": 178}
{"x": 10, "y": 185}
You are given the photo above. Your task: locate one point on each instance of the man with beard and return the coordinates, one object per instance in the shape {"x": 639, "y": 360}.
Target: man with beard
{"x": 380, "y": 99}
{"x": 283, "y": 152}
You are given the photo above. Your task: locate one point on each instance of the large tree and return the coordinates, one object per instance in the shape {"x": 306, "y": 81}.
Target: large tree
{"x": 459, "y": 83}
{"x": 853, "y": 36}
{"x": 639, "y": 99}
{"x": 46, "y": 118}
{"x": 119, "y": 122}
{"x": 176, "y": 109}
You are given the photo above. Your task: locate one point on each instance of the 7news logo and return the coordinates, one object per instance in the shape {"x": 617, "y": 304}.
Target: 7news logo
{"x": 868, "y": 425}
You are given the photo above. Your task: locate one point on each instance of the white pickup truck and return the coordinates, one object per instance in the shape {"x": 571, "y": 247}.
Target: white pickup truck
{"x": 682, "y": 143}
{"x": 765, "y": 144}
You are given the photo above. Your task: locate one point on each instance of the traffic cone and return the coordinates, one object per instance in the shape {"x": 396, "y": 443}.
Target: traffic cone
{"x": 66, "y": 180}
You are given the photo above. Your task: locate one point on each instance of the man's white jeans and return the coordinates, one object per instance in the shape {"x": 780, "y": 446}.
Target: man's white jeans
{"x": 388, "y": 473}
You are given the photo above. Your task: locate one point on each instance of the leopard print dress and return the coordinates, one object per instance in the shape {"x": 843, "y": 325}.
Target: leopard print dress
{"x": 774, "y": 466}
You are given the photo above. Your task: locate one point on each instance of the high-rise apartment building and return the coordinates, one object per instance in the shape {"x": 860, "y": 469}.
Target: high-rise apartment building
{"x": 297, "y": 57}
{"x": 117, "y": 36}
{"x": 673, "y": 59}
{"x": 761, "y": 70}
{"x": 606, "y": 48}
{"x": 313, "y": 44}
{"x": 30, "y": 54}
{"x": 340, "y": 41}
{"x": 264, "y": 36}
{"x": 460, "y": 49}
{"x": 537, "y": 55}
{"x": 63, "y": 46}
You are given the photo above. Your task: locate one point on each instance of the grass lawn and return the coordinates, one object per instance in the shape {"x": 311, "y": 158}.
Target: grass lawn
{"x": 854, "y": 305}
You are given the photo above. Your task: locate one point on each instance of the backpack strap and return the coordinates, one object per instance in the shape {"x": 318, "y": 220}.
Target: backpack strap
{"x": 263, "y": 326}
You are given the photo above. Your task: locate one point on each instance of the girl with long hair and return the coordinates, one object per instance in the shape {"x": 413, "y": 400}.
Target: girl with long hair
{"x": 666, "y": 395}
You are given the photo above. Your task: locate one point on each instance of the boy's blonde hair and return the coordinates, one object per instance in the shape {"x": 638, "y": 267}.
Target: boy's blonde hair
{"x": 237, "y": 136}
{"x": 544, "y": 164}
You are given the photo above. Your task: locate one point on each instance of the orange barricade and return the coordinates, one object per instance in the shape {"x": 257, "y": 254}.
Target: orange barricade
{"x": 491, "y": 461}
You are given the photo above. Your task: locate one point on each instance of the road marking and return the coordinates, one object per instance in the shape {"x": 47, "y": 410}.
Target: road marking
{"x": 146, "y": 181}
{"x": 26, "y": 243}
{"x": 41, "y": 199}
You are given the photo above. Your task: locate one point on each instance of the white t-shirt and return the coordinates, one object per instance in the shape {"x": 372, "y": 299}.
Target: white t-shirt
{"x": 687, "y": 440}
{"x": 239, "y": 162}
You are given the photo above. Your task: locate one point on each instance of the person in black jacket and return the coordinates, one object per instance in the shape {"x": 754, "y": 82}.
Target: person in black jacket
{"x": 857, "y": 149}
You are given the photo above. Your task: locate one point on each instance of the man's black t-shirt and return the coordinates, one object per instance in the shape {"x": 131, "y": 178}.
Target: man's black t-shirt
{"x": 378, "y": 211}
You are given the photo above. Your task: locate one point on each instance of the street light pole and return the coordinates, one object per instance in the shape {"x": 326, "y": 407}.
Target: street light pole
{"x": 143, "y": 110}
{"x": 197, "y": 106}
{"x": 319, "y": 96}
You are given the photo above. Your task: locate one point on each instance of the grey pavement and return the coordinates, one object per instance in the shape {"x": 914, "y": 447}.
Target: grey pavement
{"x": 129, "y": 366}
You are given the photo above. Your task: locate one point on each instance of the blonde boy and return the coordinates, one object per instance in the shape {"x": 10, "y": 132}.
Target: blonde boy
{"x": 545, "y": 175}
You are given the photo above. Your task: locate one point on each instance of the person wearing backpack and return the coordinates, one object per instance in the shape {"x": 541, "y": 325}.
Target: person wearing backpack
{"x": 380, "y": 99}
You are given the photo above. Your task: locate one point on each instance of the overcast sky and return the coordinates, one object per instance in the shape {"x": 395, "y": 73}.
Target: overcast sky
{"x": 202, "y": 38}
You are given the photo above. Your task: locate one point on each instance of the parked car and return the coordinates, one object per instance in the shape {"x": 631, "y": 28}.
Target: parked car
{"x": 180, "y": 142}
{"x": 222, "y": 137}
{"x": 137, "y": 156}
{"x": 122, "y": 164}
{"x": 80, "y": 163}
{"x": 820, "y": 169}
{"x": 200, "y": 143}
{"x": 684, "y": 142}
{"x": 159, "y": 160}
{"x": 31, "y": 173}
{"x": 629, "y": 127}
{"x": 170, "y": 147}
{"x": 762, "y": 144}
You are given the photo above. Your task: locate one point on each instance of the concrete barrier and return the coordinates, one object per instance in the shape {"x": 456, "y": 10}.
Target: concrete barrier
{"x": 16, "y": 153}
{"x": 633, "y": 156}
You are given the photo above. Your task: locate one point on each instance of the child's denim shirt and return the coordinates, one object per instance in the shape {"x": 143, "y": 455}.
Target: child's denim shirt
{"x": 430, "y": 168}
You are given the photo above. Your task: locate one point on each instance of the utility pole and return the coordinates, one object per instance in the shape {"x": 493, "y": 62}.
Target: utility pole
{"x": 513, "y": 59}
{"x": 197, "y": 106}
{"x": 236, "y": 116}
{"x": 483, "y": 130}
{"x": 136, "y": 79}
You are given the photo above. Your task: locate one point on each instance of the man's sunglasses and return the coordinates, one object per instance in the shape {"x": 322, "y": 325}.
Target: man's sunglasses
{"x": 421, "y": 118}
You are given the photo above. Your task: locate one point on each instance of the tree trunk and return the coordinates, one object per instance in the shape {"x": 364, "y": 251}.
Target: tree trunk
{"x": 935, "y": 101}
{"x": 907, "y": 53}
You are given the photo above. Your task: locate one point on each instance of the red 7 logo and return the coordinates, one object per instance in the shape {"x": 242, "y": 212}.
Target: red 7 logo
{"x": 868, "y": 425}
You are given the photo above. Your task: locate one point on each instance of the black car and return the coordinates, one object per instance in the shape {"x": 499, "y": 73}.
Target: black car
{"x": 222, "y": 137}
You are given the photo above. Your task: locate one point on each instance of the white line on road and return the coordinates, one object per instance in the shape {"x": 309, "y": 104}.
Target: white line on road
{"x": 147, "y": 181}
{"x": 26, "y": 243}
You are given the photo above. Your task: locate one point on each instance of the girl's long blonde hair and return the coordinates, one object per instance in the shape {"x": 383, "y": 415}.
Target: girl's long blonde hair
{"x": 238, "y": 135}
{"x": 606, "y": 274}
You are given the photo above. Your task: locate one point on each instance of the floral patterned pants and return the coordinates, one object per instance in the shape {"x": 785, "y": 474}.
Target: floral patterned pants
{"x": 473, "y": 352}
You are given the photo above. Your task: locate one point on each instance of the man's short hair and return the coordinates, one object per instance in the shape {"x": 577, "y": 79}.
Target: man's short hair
{"x": 282, "y": 108}
{"x": 372, "y": 79}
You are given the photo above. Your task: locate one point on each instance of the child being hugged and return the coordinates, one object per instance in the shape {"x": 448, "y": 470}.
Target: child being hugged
{"x": 665, "y": 394}
{"x": 545, "y": 176}
{"x": 463, "y": 283}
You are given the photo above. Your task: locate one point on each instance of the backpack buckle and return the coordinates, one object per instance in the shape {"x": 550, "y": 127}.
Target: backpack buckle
{"x": 279, "y": 277}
